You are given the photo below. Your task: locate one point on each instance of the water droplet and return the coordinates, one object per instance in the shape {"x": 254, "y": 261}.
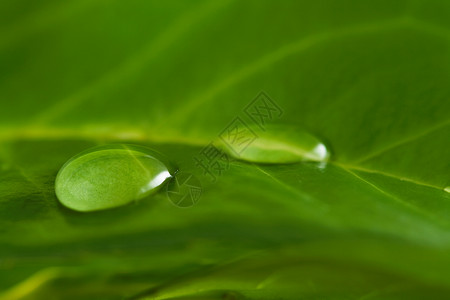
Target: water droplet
{"x": 447, "y": 189}
{"x": 278, "y": 144}
{"x": 110, "y": 176}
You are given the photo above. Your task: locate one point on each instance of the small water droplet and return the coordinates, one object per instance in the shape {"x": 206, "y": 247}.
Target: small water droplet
{"x": 110, "y": 176}
{"x": 278, "y": 144}
{"x": 447, "y": 189}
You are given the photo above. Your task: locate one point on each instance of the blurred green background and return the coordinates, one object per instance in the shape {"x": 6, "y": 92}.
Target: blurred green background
{"x": 369, "y": 78}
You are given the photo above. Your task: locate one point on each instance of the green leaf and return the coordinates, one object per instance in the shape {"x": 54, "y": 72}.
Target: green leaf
{"x": 369, "y": 79}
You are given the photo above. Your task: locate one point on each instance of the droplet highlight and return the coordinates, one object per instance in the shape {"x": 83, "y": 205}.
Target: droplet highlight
{"x": 277, "y": 144}
{"x": 111, "y": 176}
{"x": 447, "y": 189}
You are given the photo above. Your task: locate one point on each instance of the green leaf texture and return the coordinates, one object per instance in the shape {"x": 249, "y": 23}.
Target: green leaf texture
{"x": 369, "y": 78}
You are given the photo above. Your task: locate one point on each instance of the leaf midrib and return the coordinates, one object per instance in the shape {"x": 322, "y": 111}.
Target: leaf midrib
{"x": 100, "y": 134}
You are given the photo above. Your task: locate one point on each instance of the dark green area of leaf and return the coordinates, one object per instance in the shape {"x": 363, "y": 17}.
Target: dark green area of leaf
{"x": 369, "y": 78}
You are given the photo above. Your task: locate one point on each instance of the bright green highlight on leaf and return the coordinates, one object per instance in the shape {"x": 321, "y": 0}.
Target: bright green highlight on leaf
{"x": 109, "y": 176}
{"x": 274, "y": 144}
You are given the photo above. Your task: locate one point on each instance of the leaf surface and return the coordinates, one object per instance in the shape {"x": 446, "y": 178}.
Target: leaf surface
{"x": 369, "y": 79}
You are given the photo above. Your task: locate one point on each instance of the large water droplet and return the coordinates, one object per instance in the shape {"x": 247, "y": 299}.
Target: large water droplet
{"x": 277, "y": 144}
{"x": 110, "y": 176}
